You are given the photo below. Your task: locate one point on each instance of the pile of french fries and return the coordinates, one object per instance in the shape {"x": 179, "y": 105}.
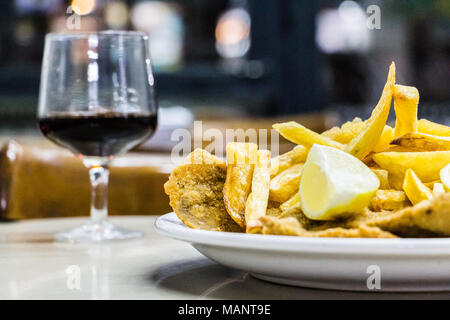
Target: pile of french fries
{"x": 407, "y": 159}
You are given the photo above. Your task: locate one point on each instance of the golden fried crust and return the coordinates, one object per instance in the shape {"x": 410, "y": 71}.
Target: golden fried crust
{"x": 200, "y": 156}
{"x": 360, "y": 232}
{"x": 428, "y": 218}
{"x": 295, "y": 211}
{"x": 281, "y": 226}
{"x": 291, "y": 227}
{"x": 195, "y": 192}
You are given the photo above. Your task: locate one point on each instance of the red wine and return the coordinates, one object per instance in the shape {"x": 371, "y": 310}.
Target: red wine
{"x": 100, "y": 135}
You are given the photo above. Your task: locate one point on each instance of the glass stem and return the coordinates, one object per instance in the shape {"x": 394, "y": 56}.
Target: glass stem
{"x": 99, "y": 176}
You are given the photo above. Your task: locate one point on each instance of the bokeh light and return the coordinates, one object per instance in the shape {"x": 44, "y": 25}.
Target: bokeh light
{"x": 233, "y": 33}
{"x": 116, "y": 14}
{"x": 166, "y": 30}
{"x": 343, "y": 29}
{"x": 83, "y": 7}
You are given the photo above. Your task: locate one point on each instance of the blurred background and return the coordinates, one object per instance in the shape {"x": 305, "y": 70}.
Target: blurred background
{"x": 246, "y": 58}
{"x": 230, "y": 63}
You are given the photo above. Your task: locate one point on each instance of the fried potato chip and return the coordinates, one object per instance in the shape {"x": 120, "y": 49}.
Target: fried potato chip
{"x": 333, "y": 133}
{"x": 368, "y": 160}
{"x": 351, "y": 129}
{"x": 282, "y": 162}
{"x": 241, "y": 153}
{"x": 286, "y": 184}
{"x": 257, "y": 201}
{"x": 303, "y": 136}
{"x": 428, "y": 218}
{"x": 426, "y": 126}
{"x": 423, "y": 142}
{"x": 383, "y": 176}
{"x": 406, "y": 100}
{"x": 430, "y": 185}
{"x": 346, "y": 132}
{"x": 200, "y": 156}
{"x": 241, "y": 159}
{"x": 385, "y": 139}
{"x": 389, "y": 200}
{"x": 444, "y": 174}
{"x": 395, "y": 148}
{"x": 291, "y": 227}
{"x": 195, "y": 193}
{"x": 396, "y": 181}
{"x": 366, "y": 140}
{"x": 415, "y": 190}
{"x": 256, "y": 194}
{"x": 292, "y": 202}
{"x": 426, "y": 165}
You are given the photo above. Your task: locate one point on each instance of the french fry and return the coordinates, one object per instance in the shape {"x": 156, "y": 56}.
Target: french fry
{"x": 423, "y": 142}
{"x": 298, "y": 134}
{"x": 415, "y": 190}
{"x": 385, "y": 139}
{"x": 389, "y": 200}
{"x": 256, "y": 205}
{"x": 292, "y": 202}
{"x": 366, "y": 140}
{"x": 282, "y": 162}
{"x": 395, "y": 148}
{"x": 241, "y": 159}
{"x": 241, "y": 153}
{"x": 406, "y": 100}
{"x": 351, "y": 129}
{"x": 426, "y": 126}
{"x": 261, "y": 195}
{"x": 426, "y": 165}
{"x": 383, "y": 176}
{"x": 333, "y": 133}
{"x": 431, "y": 184}
{"x": 286, "y": 184}
{"x": 200, "y": 156}
{"x": 346, "y": 132}
{"x": 396, "y": 181}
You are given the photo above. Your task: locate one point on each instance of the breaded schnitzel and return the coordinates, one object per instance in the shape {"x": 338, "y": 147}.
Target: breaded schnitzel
{"x": 195, "y": 192}
{"x": 428, "y": 218}
{"x": 292, "y": 227}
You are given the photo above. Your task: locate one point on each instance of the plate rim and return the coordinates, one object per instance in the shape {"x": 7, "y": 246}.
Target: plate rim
{"x": 170, "y": 225}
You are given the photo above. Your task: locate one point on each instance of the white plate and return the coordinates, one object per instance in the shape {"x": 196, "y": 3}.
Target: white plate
{"x": 331, "y": 263}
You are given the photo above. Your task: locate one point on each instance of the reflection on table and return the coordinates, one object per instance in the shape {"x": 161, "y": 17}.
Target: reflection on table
{"x": 155, "y": 267}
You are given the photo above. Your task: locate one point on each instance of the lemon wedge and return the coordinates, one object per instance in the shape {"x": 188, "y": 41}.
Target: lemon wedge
{"x": 335, "y": 183}
{"x": 438, "y": 188}
{"x": 445, "y": 177}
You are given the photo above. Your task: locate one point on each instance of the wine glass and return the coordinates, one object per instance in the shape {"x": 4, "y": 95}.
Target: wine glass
{"x": 97, "y": 100}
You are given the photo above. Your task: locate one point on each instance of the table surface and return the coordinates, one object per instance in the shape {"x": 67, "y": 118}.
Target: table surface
{"x": 32, "y": 266}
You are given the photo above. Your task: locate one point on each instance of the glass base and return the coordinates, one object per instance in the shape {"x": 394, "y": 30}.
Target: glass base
{"x": 97, "y": 232}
